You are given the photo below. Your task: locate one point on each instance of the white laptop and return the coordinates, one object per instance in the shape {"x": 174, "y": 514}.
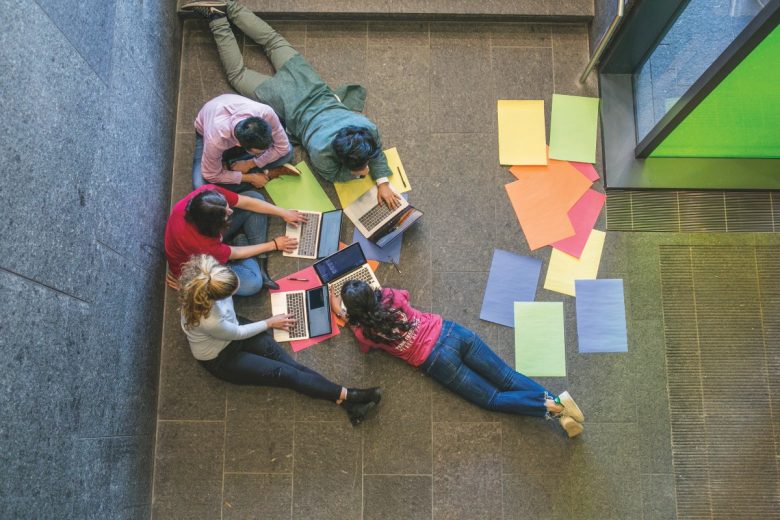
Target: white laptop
{"x": 310, "y": 307}
{"x": 377, "y": 222}
{"x": 348, "y": 264}
{"x": 318, "y": 237}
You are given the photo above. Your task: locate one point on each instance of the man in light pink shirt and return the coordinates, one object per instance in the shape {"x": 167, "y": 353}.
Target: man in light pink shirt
{"x": 236, "y": 141}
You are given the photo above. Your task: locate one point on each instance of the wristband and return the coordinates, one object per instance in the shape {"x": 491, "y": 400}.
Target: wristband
{"x": 276, "y": 246}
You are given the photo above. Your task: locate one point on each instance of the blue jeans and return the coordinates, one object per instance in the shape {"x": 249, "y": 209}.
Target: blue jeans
{"x": 261, "y": 361}
{"x": 197, "y": 158}
{"x": 462, "y": 362}
{"x": 255, "y": 227}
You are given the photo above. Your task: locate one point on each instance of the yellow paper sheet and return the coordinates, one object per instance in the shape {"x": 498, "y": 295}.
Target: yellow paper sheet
{"x": 521, "y": 132}
{"x": 564, "y": 268}
{"x": 349, "y": 192}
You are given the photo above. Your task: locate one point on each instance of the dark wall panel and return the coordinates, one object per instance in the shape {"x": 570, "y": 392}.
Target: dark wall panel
{"x": 86, "y": 146}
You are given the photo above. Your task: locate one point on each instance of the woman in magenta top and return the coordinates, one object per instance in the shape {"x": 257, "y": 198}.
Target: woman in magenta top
{"x": 450, "y": 353}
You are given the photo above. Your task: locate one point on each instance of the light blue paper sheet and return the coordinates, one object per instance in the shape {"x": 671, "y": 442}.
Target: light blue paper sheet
{"x": 513, "y": 278}
{"x": 601, "y": 316}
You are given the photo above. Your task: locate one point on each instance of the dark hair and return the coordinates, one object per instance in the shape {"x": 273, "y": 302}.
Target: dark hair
{"x": 355, "y": 146}
{"x": 379, "y": 322}
{"x": 207, "y": 211}
{"x": 253, "y": 132}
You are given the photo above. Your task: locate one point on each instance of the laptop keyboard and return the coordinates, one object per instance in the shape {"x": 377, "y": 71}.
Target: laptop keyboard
{"x": 364, "y": 273}
{"x": 307, "y": 242}
{"x": 375, "y": 215}
{"x": 296, "y": 304}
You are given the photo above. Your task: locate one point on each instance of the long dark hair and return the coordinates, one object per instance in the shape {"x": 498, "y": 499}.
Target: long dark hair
{"x": 207, "y": 211}
{"x": 379, "y": 322}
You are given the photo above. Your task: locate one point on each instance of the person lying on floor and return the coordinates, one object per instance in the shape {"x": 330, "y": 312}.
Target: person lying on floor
{"x": 342, "y": 144}
{"x": 239, "y": 144}
{"x": 450, "y": 353}
{"x": 243, "y": 352}
{"x": 203, "y": 221}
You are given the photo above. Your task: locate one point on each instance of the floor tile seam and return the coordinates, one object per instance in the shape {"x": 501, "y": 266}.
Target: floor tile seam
{"x": 392, "y": 46}
{"x": 100, "y": 437}
{"x": 767, "y": 364}
{"x": 152, "y": 85}
{"x": 467, "y": 422}
{"x": 224, "y": 457}
{"x": 195, "y": 421}
{"x": 128, "y": 258}
{"x": 77, "y": 51}
{"x": 521, "y": 47}
{"x": 290, "y": 473}
{"x": 398, "y": 474}
{"x": 79, "y": 300}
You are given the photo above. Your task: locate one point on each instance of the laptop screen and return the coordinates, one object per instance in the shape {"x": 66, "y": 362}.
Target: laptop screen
{"x": 340, "y": 263}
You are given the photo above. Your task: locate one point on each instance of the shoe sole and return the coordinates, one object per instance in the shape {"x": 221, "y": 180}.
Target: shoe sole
{"x": 290, "y": 167}
{"x": 571, "y": 427}
{"x": 203, "y": 3}
{"x": 357, "y": 418}
{"x": 570, "y": 408}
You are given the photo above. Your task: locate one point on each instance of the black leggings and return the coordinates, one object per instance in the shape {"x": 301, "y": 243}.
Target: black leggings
{"x": 261, "y": 361}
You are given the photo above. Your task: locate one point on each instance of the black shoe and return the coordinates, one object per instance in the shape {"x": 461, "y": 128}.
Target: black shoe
{"x": 267, "y": 281}
{"x": 209, "y": 13}
{"x": 364, "y": 395}
{"x": 357, "y": 411}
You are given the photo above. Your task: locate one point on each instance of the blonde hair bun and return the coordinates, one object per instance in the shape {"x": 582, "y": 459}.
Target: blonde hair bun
{"x": 203, "y": 281}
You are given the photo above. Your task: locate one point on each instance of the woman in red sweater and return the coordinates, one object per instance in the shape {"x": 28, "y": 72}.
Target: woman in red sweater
{"x": 450, "y": 353}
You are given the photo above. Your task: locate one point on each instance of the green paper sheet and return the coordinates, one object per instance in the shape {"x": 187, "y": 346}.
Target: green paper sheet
{"x": 302, "y": 192}
{"x": 573, "y": 128}
{"x": 540, "y": 348}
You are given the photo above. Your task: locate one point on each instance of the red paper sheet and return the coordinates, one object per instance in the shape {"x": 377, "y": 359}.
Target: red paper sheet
{"x": 285, "y": 284}
{"x": 583, "y": 216}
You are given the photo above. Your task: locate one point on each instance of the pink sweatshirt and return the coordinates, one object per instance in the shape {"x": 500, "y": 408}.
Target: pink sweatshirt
{"x": 216, "y": 121}
{"x": 416, "y": 346}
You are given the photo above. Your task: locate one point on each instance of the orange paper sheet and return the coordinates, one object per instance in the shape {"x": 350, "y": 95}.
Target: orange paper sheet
{"x": 542, "y": 197}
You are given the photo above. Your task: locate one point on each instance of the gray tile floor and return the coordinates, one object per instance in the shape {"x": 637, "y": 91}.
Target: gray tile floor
{"x": 232, "y": 452}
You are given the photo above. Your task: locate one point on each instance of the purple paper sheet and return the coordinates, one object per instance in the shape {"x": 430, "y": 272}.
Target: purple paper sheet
{"x": 601, "y": 316}
{"x": 513, "y": 278}
{"x": 390, "y": 253}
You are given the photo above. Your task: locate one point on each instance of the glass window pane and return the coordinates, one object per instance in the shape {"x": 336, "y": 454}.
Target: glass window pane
{"x": 697, "y": 37}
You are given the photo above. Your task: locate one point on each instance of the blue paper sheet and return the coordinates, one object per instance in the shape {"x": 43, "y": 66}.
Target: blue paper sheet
{"x": 513, "y": 278}
{"x": 390, "y": 253}
{"x": 601, "y": 316}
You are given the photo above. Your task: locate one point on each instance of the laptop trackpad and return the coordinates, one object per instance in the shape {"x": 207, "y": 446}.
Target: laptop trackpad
{"x": 319, "y": 312}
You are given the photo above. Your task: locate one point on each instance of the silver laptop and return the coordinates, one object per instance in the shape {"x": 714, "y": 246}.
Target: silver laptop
{"x": 318, "y": 237}
{"x": 348, "y": 264}
{"x": 377, "y": 222}
{"x": 311, "y": 308}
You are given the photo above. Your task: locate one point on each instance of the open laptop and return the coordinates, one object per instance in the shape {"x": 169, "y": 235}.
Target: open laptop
{"x": 311, "y": 308}
{"x": 318, "y": 237}
{"x": 376, "y": 221}
{"x": 348, "y": 264}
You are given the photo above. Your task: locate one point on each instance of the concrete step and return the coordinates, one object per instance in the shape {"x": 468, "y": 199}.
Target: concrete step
{"x": 493, "y": 10}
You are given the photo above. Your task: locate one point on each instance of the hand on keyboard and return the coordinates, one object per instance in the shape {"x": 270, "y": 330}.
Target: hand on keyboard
{"x": 281, "y": 321}
{"x": 385, "y": 195}
{"x": 286, "y": 244}
{"x": 293, "y": 217}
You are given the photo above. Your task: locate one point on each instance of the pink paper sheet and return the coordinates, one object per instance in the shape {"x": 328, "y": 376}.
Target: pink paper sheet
{"x": 285, "y": 284}
{"x": 587, "y": 169}
{"x": 583, "y": 216}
